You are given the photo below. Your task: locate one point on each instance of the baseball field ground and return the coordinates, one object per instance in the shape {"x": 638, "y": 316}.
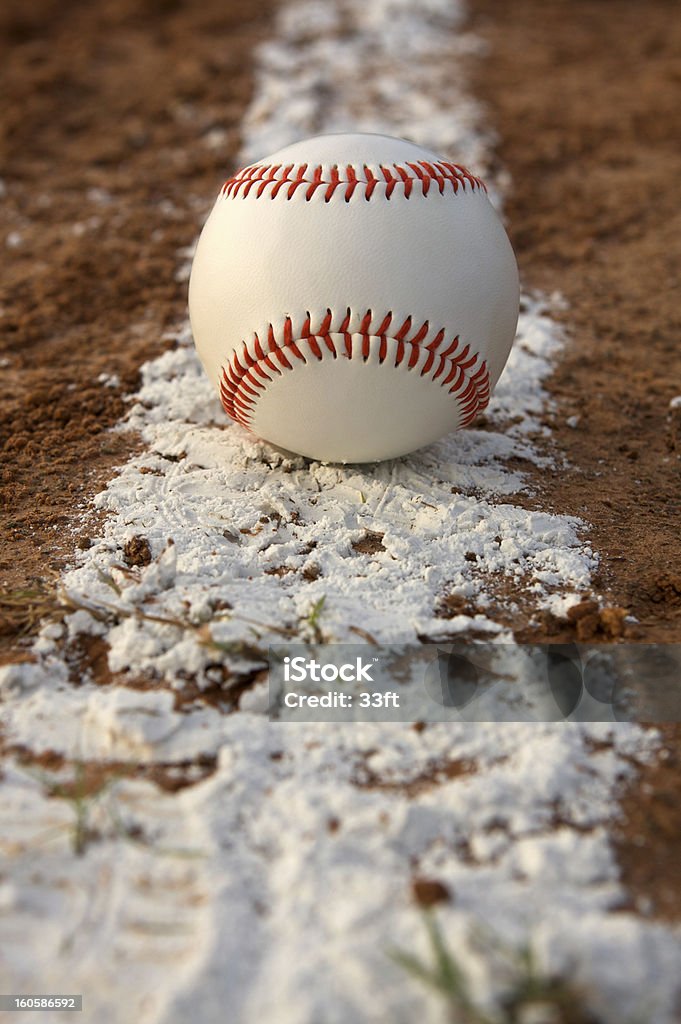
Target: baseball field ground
{"x": 171, "y": 851}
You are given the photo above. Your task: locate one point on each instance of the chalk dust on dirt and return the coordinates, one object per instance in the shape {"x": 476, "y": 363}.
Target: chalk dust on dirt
{"x": 107, "y": 169}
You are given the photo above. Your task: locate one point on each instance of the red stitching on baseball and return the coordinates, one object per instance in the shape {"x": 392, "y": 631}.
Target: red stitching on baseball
{"x": 350, "y": 179}
{"x": 366, "y": 323}
{"x": 403, "y": 329}
{"x": 314, "y": 345}
{"x": 437, "y": 341}
{"x": 240, "y": 388}
{"x": 372, "y": 182}
{"x": 391, "y": 181}
{"x": 385, "y": 324}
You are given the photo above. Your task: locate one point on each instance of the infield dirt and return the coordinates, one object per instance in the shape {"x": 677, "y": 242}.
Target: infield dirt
{"x": 584, "y": 96}
{"x": 103, "y": 186}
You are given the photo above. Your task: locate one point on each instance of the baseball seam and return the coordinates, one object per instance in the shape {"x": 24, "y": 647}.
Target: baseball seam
{"x": 384, "y": 179}
{"x": 250, "y": 370}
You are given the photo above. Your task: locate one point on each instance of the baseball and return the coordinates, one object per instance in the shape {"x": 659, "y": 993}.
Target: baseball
{"x": 353, "y": 297}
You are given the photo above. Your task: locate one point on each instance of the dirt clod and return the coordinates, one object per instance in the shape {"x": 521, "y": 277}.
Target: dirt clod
{"x": 454, "y": 604}
{"x": 370, "y": 544}
{"x": 428, "y": 892}
{"x": 586, "y": 621}
{"x": 667, "y": 588}
{"x": 137, "y": 552}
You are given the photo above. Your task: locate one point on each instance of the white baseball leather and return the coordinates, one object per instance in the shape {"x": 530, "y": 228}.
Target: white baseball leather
{"x": 353, "y": 297}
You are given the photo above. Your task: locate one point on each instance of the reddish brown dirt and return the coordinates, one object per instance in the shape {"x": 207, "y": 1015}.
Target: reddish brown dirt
{"x": 106, "y": 174}
{"x": 646, "y": 840}
{"x": 584, "y": 95}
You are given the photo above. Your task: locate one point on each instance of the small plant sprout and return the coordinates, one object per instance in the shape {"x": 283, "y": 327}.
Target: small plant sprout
{"x": 532, "y": 996}
{"x": 312, "y": 619}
